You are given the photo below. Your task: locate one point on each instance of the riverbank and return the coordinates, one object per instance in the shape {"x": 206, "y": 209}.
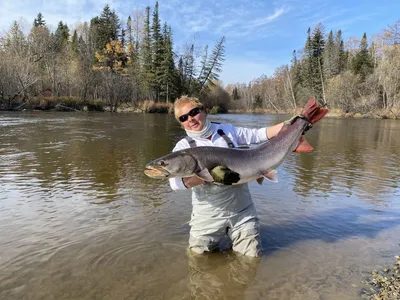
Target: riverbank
{"x": 61, "y": 103}
{"x": 384, "y": 284}
{"x": 335, "y": 113}
{"x": 153, "y": 107}
{"x": 75, "y": 104}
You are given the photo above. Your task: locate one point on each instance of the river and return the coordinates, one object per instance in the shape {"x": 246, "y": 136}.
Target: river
{"x": 80, "y": 220}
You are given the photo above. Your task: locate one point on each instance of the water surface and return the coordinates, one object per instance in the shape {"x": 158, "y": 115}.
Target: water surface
{"x": 80, "y": 220}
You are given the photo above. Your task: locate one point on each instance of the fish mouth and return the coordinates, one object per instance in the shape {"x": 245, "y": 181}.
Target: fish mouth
{"x": 156, "y": 172}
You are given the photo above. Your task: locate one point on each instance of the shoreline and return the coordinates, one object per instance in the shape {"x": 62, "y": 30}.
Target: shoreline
{"x": 127, "y": 108}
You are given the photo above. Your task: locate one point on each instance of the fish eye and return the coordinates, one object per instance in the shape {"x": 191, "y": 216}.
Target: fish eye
{"x": 162, "y": 163}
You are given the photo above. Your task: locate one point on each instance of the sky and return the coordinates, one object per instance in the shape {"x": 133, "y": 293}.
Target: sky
{"x": 260, "y": 34}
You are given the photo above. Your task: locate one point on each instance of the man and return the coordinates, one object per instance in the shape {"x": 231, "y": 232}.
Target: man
{"x": 219, "y": 210}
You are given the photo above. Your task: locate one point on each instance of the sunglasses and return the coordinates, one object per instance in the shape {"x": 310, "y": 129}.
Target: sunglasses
{"x": 193, "y": 112}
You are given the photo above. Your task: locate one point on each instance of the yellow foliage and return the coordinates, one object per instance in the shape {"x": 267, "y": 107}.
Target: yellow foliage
{"x": 112, "y": 57}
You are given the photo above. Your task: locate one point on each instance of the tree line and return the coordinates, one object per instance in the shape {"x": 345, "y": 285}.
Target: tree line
{"x": 109, "y": 62}
{"x": 105, "y": 61}
{"x": 357, "y": 75}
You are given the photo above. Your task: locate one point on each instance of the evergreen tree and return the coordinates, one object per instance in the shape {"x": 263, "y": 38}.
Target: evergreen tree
{"x": 340, "y": 55}
{"x": 168, "y": 88}
{"x": 107, "y": 26}
{"x": 329, "y": 61}
{"x": 308, "y": 62}
{"x": 235, "y": 94}
{"x": 362, "y": 63}
{"x": 187, "y": 72}
{"x": 213, "y": 65}
{"x": 61, "y": 35}
{"x": 318, "y": 44}
{"x": 157, "y": 49}
{"x": 129, "y": 31}
{"x": 296, "y": 70}
{"x": 122, "y": 37}
{"x": 15, "y": 39}
{"x": 39, "y": 21}
{"x": 75, "y": 43}
{"x": 146, "y": 57}
{"x": 203, "y": 64}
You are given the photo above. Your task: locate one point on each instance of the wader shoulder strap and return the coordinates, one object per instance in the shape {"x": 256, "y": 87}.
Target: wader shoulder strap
{"x": 192, "y": 142}
{"x": 226, "y": 138}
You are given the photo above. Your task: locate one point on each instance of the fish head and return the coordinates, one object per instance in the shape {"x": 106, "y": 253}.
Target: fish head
{"x": 176, "y": 164}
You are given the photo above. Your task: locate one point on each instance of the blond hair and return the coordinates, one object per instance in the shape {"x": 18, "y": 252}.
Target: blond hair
{"x": 185, "y": 100}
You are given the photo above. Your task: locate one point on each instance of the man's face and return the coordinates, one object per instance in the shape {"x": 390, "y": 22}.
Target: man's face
{"x": 193, "y": 122}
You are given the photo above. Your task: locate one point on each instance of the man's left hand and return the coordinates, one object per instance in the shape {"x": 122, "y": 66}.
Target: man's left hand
{"x": 224, "y": 175}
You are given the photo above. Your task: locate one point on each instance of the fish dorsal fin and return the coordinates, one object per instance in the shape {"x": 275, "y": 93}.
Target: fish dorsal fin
{"x": 271, "y": 176}
{"x": 205, "y": 175}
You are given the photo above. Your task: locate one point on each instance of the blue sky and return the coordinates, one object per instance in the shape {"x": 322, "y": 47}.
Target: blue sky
{"x": 260, "y": 34}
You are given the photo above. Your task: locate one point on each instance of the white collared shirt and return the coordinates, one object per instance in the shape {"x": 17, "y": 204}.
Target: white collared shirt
{"x": 238, "y": 135}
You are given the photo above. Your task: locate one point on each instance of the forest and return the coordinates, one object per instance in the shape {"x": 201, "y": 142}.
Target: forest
{"x": 113, "y": 64}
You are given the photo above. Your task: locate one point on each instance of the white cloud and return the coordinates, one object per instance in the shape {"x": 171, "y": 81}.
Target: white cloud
{"x": 268, "y": 19}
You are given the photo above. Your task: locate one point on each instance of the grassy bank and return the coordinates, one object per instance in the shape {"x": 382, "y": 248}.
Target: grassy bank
{"x": 75, "y": 104}
{"x": 63, "y": 103}
{"x": 335, "y": 113}
{"x": 148, "y": 106}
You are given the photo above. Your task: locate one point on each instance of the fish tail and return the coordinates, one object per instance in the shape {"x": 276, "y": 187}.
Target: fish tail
{"x": 313, "y": 111}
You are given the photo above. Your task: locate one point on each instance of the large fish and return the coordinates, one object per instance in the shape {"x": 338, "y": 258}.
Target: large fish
{"x": 252, "y": 164}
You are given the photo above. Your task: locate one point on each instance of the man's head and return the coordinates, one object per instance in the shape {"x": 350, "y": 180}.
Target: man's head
{"x": 190, "y": 113}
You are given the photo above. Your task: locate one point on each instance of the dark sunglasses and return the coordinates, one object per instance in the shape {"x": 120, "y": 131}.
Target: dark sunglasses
{"x": 193, "y": 112}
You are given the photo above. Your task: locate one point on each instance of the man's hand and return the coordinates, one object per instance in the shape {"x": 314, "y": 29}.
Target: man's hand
{"x": 224, "y": 175}
{"x": 294, "y": 118}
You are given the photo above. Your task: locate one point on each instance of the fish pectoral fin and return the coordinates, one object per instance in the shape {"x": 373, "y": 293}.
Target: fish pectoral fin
{"x": 260, "y": 180}
{"x": 205, "y": 175}
{"x": 303, "y": 146}
{"x": 271, "y": 176}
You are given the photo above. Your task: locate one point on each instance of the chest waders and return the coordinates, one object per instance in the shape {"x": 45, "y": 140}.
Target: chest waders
{"x": 223, "y": 210}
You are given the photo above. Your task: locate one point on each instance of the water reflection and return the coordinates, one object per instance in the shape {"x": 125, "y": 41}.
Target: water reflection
{"x": 220, "y": 276}
{"x": 351, "y": 158}
{"x": 355, "y": 222}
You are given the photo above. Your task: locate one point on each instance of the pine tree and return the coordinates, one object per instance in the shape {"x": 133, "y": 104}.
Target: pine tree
{"x": 168, "y": 87}
{"x": 157, "y": 49}
{"x": 362, "y": 63}
{"x": 122, "y": 37}
{"x": 39, "y": 21}
{"x": 318, "y": 43}
{"x": 235, "y": 94}
{"x": 329, "y": 62}
{"x": 107, "y": 27}
{"x": 308, "y": 62}
{"x": 15, "y": 39}
{"x": 75, "y": 43}
{"x": 129, "y": 31}
{"x": 61, "y": 35}
{"x": 146, "y": 57}
{"x": 213, "y": 66}
{"x": 296, "y": 70}
{"x": 340, "y": 55}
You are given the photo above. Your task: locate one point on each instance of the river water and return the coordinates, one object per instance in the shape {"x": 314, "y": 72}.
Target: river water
{"x": 80, "y": 220}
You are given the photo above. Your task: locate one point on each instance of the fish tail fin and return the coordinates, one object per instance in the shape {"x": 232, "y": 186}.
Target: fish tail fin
{"x": 313, "y": 111}
{"x": 303, "y": 146}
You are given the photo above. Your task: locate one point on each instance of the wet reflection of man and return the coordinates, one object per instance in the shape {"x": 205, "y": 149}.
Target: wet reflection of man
{"x": 220, "y": 275}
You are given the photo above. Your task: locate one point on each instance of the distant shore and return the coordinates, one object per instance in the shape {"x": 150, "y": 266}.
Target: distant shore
{"x": 167, "y": 108}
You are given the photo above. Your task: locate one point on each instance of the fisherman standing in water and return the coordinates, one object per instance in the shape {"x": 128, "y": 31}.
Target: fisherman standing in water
{"x": 219, "y": 210}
